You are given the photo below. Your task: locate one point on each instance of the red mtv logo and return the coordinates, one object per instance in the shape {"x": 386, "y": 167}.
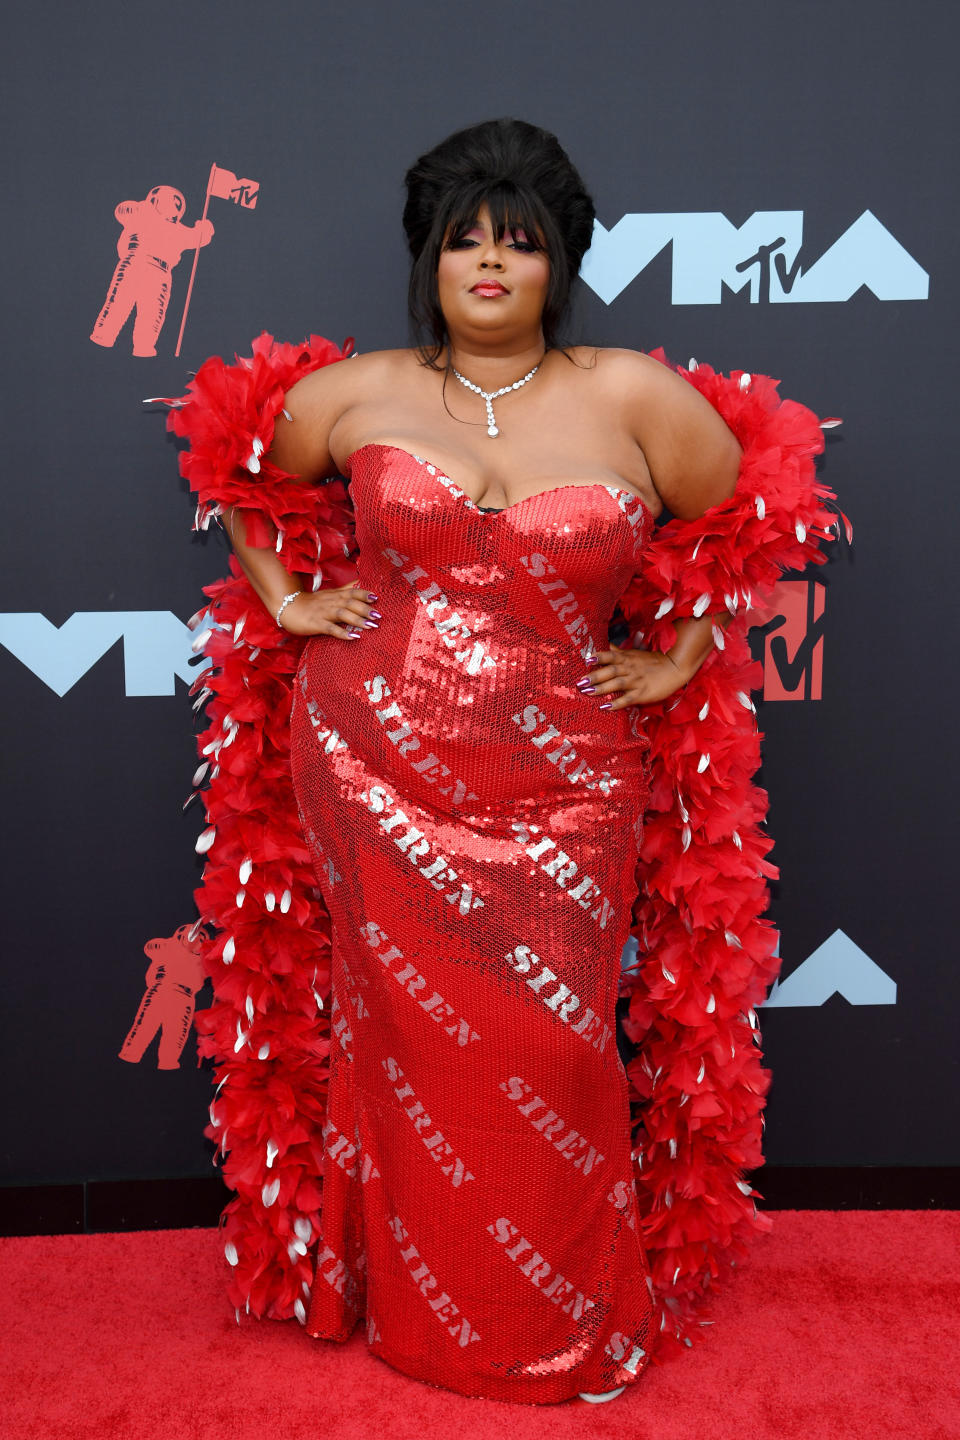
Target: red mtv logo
{"x": 174, "y": 976}
{"x": 793, "y": 641}
{"x": 152, "y": 241}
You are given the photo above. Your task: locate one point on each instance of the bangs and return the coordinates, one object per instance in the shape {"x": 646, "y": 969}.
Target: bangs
{"x": 511, "y": 208}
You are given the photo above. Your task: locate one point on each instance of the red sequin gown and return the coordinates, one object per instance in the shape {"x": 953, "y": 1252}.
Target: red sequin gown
{"x": 475, "y": 821}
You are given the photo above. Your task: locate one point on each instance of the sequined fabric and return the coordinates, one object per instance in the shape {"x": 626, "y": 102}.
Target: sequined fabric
{"x": 475, "y": 823}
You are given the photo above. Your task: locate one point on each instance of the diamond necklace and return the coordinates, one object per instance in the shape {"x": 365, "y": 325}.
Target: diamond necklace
{"x": 488, "y": 396}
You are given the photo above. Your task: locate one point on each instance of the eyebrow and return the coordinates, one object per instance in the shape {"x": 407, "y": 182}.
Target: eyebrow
{"x": 517, "y": 231}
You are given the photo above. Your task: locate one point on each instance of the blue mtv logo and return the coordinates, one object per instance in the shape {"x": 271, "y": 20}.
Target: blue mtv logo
{"x": 709, "y": 252}
{"x": 837, "y": 967}
{"x": 157, "y": 647}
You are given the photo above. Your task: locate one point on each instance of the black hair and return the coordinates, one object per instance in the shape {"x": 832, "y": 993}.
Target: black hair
{"x": 528, "y": 183}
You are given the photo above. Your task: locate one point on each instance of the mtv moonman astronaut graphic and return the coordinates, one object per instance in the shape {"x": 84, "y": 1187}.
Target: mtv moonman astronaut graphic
{"x": 152, "y": 242}
{"x": 173, "y": 978}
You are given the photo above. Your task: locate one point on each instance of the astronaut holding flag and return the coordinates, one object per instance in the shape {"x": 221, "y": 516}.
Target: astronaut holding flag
{"x": 151, "y": 244}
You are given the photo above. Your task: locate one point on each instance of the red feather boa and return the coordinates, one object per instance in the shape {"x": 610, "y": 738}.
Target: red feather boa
{"x": 706, "y": 953}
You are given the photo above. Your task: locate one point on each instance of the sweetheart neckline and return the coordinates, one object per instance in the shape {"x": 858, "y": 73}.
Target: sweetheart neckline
{"x": 436, "y": 471}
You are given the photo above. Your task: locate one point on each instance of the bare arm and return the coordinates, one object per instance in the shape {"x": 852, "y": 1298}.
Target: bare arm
{"x": 301, "y": 447}
{"x": 693, "y": 459}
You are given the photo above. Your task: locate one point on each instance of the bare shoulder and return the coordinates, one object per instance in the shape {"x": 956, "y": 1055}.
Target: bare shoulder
{"x": 653, "y": 395}
{"x": 315, "y": 404}
{"x": 692, "y": 455}
{"x": 337, "y": 384}
{"x": 629, "y": 373}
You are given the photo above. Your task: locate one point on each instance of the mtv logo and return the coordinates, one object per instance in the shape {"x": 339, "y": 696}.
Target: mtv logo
{"x": 711, "y": 254}
{"x": 793, "y": 627}
{"x": 156, "y": 647}
{"x": 837, "y": 967}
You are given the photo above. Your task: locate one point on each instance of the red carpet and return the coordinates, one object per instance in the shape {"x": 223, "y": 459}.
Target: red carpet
{"x": 843, "y": 1324}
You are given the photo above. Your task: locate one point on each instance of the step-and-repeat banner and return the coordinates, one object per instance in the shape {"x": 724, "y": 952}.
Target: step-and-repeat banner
{"x": 774, "y": 194}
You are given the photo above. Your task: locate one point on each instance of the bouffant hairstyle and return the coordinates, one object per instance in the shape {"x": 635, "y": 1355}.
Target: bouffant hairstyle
{"x": 527, "y": 181}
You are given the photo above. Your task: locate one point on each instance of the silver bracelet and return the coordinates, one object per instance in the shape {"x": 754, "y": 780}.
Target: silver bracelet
{"x": 285, "y": 602}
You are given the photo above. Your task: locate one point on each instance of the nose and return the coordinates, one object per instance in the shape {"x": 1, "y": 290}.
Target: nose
{"x": 491, "y": 256}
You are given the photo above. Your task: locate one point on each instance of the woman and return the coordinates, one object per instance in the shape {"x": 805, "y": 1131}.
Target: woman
{"x": 471, "y": 765}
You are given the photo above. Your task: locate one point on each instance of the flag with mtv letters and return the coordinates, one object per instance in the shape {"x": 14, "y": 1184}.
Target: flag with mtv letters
{"x": 224, "y": 185}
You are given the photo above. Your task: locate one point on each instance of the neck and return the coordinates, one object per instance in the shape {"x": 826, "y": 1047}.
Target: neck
{"x": 489, "y": 368}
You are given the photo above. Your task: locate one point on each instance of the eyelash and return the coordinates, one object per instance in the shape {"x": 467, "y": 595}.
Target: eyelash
{"x": 525, "y": 247}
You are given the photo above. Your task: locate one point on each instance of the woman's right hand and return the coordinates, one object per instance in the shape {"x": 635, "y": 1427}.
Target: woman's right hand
{"x": 345, "y": 613}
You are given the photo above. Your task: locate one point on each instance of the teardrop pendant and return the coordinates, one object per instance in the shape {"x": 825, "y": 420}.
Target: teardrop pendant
{"x": 488, "y": 396}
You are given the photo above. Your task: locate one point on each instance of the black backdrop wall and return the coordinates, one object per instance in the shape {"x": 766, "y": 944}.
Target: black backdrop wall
{"x": 789, "y": 174}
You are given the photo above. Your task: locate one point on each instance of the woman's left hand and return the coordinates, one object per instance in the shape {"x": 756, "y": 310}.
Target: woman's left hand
{"x": 633, "y": 677}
